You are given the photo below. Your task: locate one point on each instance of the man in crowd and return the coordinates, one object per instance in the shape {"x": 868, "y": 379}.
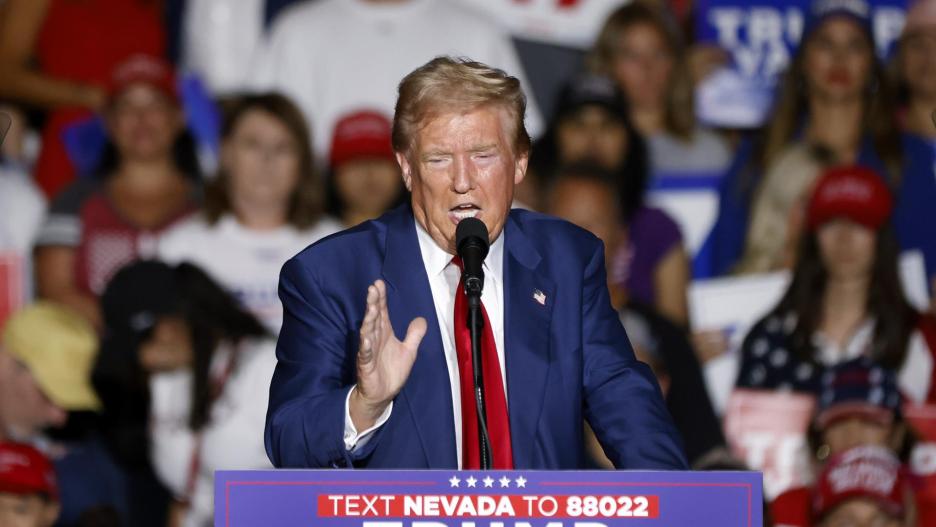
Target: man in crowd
{"x": 46, "y": 356}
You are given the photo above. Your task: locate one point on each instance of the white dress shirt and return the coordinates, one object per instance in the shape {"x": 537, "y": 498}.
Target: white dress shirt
{"x": 443, "y": 281}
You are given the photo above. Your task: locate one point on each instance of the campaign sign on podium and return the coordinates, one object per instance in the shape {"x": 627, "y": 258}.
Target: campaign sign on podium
{"x": 439, "y": 498}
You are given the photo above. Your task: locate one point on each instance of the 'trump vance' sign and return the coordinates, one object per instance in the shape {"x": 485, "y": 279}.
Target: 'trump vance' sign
{"x": 761, "y": 37}
{"x": 290, "y": 498}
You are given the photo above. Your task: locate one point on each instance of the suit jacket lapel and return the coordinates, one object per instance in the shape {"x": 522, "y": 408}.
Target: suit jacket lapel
{"x": 528, "y": 298}
{"x": 427, "y": 395}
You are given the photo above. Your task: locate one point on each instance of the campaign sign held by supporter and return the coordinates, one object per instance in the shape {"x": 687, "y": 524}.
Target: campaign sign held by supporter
{"x": 761, "y": 37}
{"x": 767, "y": 430}
{"x": 439, "y": 498}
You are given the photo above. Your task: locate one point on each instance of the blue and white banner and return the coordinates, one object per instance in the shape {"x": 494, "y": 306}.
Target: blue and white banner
{"x": 761, "y": 37}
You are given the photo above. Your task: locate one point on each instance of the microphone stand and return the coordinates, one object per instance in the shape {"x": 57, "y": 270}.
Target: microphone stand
{"x": 475, "y": 330}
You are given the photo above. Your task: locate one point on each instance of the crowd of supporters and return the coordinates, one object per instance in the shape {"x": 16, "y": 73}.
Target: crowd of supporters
{"x": 166, "y": 157}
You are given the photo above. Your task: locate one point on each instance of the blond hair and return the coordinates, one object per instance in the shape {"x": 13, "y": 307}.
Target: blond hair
{"x": 787, "y": 184}
{"x": 679, "y": 114}
{"x": 447, "y": 84}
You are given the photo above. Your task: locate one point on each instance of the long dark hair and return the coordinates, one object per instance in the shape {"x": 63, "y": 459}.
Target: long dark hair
{"x": 136, "y": 298}
{"x": 791, "y": 107}
{"x": 631, "y": 177}
{"x": 894, "y": 317}
{"x": 306, "y": 202}
{"x": 184, "y": 157}
{"x": 213, "y": 316}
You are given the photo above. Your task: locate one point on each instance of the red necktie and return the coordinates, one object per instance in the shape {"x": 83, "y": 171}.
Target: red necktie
{"x": 495, "y": 397}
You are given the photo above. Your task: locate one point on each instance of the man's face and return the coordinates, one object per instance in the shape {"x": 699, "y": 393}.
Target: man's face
{"x": 462, "y": 165}
{"x": 24, "y": 408}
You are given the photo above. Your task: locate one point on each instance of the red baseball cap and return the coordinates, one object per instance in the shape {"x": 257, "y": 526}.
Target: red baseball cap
{"x": 25, "y": 470}
{"x": 854, "y": 192}
{"x": 147, "y": 69}
{"x": 869, "y": 472}
{"x": 360, "y": 134}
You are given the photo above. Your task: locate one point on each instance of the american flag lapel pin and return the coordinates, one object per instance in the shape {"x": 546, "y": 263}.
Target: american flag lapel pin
{"x": 539, "y": 296}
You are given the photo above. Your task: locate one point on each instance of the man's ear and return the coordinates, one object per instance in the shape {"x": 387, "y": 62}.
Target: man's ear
{"x": 520, "y": 167}
{"x": 406, "y": 169}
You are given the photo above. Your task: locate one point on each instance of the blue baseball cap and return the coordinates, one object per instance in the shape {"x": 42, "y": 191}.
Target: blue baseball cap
{"x": 859, "y": 388}
{"x": 822, "y": 10}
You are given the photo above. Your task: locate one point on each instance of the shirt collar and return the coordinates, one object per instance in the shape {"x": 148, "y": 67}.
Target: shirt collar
{"x": 437, "y": 259}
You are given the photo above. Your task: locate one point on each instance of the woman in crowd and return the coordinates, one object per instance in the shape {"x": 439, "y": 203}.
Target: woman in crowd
{"x": 364, "y": 180}
{"x": 148, "y": 180}
{"x": 263, "y": 207}
{"x": 641, "y": 49}
{"x": 592, "y": 125}
{"x": 834, "y": 97}
{"x": 845, "y": 299}
{"x": 58, "y": 55}
{"x": 916, "y": 65}
{"x": 183, "y": 376}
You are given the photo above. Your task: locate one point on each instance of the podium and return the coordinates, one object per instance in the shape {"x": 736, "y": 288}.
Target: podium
{"x": 520, "y": 498}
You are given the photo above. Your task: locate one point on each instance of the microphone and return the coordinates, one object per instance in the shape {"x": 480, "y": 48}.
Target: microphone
{"x": 471, "y": 243}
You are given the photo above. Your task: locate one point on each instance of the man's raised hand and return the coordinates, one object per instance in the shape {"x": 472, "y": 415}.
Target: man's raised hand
{"x": 383, "y": 361}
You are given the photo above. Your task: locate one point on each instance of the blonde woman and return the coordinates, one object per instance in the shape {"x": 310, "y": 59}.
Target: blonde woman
{"x": 640, "y": 48}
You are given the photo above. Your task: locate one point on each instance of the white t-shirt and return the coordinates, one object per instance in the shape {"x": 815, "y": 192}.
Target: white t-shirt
{"x": 705, "y": 153}
{"x": 246, "y": 262}
{"x": 219, "y": 36}
{"x": 233, "y": 437}
{"x": 337, "y": 56}
{"x": 22, "y": 209}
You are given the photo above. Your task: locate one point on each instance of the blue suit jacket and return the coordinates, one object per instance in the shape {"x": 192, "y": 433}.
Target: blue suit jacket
{"x": 566, "y": 360}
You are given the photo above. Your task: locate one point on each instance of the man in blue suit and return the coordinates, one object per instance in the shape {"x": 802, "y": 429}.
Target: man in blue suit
{"x": 371, "y": 365}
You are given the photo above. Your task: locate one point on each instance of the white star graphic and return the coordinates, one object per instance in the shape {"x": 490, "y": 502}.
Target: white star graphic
{"x": 488, "y": 481}
{"x": 471, "y": 481}
{"x": 521, "y": 482}
{"x": 454, "y": 481}
{"x": 505, "y": 482}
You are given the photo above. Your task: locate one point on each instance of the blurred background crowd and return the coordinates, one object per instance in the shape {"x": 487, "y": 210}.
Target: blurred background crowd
{"x": 762, "y": 174}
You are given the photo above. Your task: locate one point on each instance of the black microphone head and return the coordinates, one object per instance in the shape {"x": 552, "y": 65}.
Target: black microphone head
{"x": 474, "y": 231}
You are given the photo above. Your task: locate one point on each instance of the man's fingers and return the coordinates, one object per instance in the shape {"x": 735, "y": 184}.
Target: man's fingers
{"x": 415, "y": 333}
{"x": 367, "y": 326}
{"x": 384, "y": 328}
{"x": 381, "y": 298}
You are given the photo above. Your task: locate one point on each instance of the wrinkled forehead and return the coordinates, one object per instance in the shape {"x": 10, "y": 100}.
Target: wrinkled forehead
{"x": 473, "y": 127}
